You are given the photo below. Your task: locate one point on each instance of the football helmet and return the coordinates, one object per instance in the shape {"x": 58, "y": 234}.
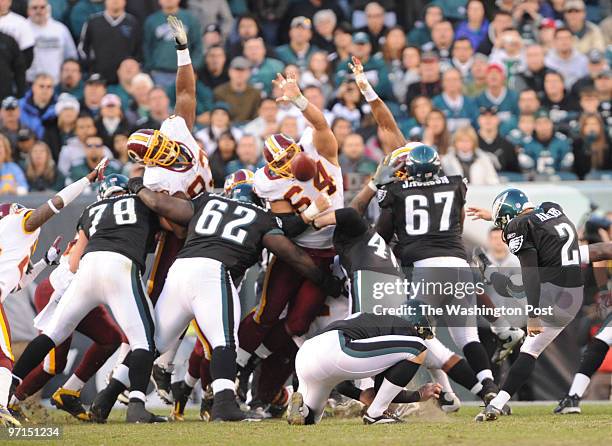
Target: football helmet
{"x": 422, "y": 163}
{"x": 416, "y": 316}
{"x": 111, "y": 185}
{"x": 239, "y": 186}
{"x": 9, "y": 208}
{"x": 508, "y": 205}
{"x": 153, "y": 148}
{"x": 401, "y": 153}
{"x": 279, "y": 150}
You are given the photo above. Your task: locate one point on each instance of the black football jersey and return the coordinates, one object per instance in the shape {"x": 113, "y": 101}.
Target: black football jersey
{"x": 427, "y": 217}
{"x": 121, "y": 224}
{"x": 369, "y": 325}
{"x": 229, "y": 231}
{"x": 548, "y": 230}
{"x": 367, "y": 251}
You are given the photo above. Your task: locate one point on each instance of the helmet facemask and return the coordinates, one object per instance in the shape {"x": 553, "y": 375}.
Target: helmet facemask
{"x": 163, "y": 152}
{"x": 281, "y": 164}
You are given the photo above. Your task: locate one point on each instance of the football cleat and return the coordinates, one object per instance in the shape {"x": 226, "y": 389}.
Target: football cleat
{"x": 489, "y": 390}
{"x": 386, "y": 418}
{"x": 225, "y": 407}
{"x": 278, "y": 406}
{"x": 569, "y": 404}
{"x": 161, "y": 380}
{"x": 101, "y": 406}
{"x": 17, "y": 412}
{"x": 70, "y": 401}
{"x": 206, "y": 404}
{"x": 136, "y": 413}
{"x": 295, "y": 415}
{"x": 7, "y": 419}
{"x": 449, "y": 402}
{"x": 180, "y": 394}
{"x": 124, "y": 397}
{"x": 507, "y": 340}
{"x": 491, "y": 413}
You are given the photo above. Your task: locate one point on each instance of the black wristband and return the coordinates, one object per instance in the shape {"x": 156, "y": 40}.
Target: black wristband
{"x": 180, "y": 46}
{"x": 135, "y": 185}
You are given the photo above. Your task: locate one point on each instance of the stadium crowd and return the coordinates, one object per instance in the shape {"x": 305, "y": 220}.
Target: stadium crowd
{"x": 505, "y": 90}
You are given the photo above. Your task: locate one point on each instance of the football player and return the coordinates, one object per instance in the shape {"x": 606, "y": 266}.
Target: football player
{"x": 174, "y": 164}
{"x": 19, "y": 230}
{"x": 296, "y": 203}
{"x": 546, "y": 243}
{"x": 98, "y": 325}
{"x": 225, "y": 237}
{"x": 115, "y": 235}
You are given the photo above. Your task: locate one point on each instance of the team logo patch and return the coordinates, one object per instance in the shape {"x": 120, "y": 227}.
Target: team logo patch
{"x": 381, "y": 194}
{"x": 515, "y": 244}
{"x": 279, "y": 222}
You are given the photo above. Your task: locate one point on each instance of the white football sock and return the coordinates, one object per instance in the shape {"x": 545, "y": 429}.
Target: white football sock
{"x": 122, "y": 374}
{"x": 6, "y": 378}
{"x": 262, "y": 351}
{"x": 579, "y": 385}
{"x": 483, "y": 374}
{"x": 123, "y": 350}
{"x": 138, "y": 395}
{"x": 190, "y": 380}
{"x": 500, "y": 400}
{"x": 221, "y": 384}
{"x": 74, "y": 383}
{"x": 242, "y": 357}
{"x": 383, "y": 398}
{"x": 440, "y": 377}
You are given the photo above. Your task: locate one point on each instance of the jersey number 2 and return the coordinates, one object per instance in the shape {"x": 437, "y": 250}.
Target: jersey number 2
{"x": 211, "y": 217}
{"x": 568, "y": 256}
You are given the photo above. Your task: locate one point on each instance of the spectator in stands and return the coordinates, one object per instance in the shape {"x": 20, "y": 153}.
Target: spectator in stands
{"x": 12, "y": 179}
{"x": 562, "y": 107}
{"x": 265, "y": 124}
{"x": 121, "y": 152}
{"x": 111, "y": 119}
{"x": 140, "y": 87}
{"x": 53, "y": 42}
{"x": 74, "y": 150}
{"x": 269, "y": 13}
{"x": 430, "y": 84}
{"x": 391, "y": 49}
{"x": 158, "y": 46}
{"x": 247, "y": 28}
{"x": 341, "y": 129}
{"x": 59, "y": 131}
{"x": 526, "y": 15}
{"x": 315, "y": 97}
{"x": 214, "y": 72}
{"x": 263, "y": 69}
{"x": 212, "y": 36}
{"x": 299, "y": 48}
{"x": 9, "y": 120}
{"x": 352, "y": 156}
{"x": 603, "y": 85}
{"x": 502, "y": 20}
{"x": 375, "y": 25}
{"x": 435, "y": 131}
{"x": 549, "y": 151}
{"x": 511, "y": 55}
{"x": 219, "y": 123}
{"x": 467, "y": 159}
{"x": 407, "y": 74}
{"x": 17, "y": 27}
{"x": 597, "y": 64}
{"x": 12, "y": 68}
{"x": 419, "y": 109}
{"x": 25, "y": 141}
{"x": 528, "y": 104}
{"x": 318, "y": 75}
{"x": 204, "y": 101}
{"x": 41, "y": 172}
{"x": 128, "y": 68}
{"x": 95, "y": 150}
{"x": 289, "y": 126}
{"x": 324, "y": 22}
{"x": 496, "y": 94}
{"x": 533, "y": 74}
{"x": 109, "y": 38}
{"x": 476, "y": 27}
{"x": 490, "y": 140}
{"x": 566, "y": 59}
{"x": 93, "y": 92}
{"x": 592, "y": 147}
{"x": 71, "y": 79}
{"x": 442, "y": 36}
{"x": 242, "y": 98}
{"x": 421, "y": 32}
{"x": 348, "y": 104}
{"x": 220, "y": 158}
{"x": 477, "y": 81}
{"x": 159, "y": 109}
{"x": 37, "y": 106}
{"x": 343, "y": 42}
{"x": 587, "y": 35}
{"x": 79, "y": 14}
{"x": 212, "y": 12}
{"x": 248, "y": 155}
{"x": 460, "y": 110}
{"x": 520, "y": 136}
{"x": 546, "y": 33}
{"x": 463, "y": 56}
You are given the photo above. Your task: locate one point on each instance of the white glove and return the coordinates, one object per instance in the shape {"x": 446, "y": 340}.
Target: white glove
{"x": 53, "y": 253}
{"x": 178, "y": 31}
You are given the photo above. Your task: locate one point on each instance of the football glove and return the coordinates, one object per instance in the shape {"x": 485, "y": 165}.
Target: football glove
{"x": 52, "y": 255}
{"x": 178, "y": 31}
{"x": 135, "y": 184}
{"x": 385, "y": 172}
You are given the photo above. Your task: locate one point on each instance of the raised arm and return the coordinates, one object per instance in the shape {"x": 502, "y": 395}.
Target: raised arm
{"x": 185, "y": 79}
{"x": 176, "y": 209}
{"x": 391, "y": 135}
{"x": 322, "y": 137}
{"x": 385, "y": 174}
{"x": 43, "y": 213}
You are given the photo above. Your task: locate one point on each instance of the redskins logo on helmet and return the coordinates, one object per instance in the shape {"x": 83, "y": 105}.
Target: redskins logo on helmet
{"x": 279, "y": 150}
{"x": 153, "y": 148}
{"x": 242, "y": 176}
{"x": 10, "y": 208}
{"x": 401, "y": 153}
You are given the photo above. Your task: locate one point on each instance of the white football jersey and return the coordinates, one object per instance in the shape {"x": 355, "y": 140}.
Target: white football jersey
{"x": 191, "y": 182}
{"x": 61, "y": 276}
{"x": 301, "y": 193}
{"x": 16, "y": 247}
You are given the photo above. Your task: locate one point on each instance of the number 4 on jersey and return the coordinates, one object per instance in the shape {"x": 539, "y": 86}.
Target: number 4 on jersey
{"x": 381, "y": 249}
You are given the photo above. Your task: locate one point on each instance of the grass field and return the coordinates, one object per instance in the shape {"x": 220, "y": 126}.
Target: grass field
{"x": 530, "y": 425}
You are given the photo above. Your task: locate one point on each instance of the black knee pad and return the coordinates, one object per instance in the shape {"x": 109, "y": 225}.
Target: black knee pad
{"x": 593, "y": 356}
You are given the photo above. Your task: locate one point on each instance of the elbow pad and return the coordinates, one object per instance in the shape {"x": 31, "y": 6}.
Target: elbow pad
{"x": 293, "y": 225}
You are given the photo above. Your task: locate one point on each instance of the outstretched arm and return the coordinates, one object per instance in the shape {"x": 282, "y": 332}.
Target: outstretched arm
{"x": 176, "y": 209}
{"x": 43, "y": 213}
{"x": 391, "y": 135}
{"x": 322, "y": 137}
{"x": 185, "y": 79}
{"x": 385, "y": 174}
